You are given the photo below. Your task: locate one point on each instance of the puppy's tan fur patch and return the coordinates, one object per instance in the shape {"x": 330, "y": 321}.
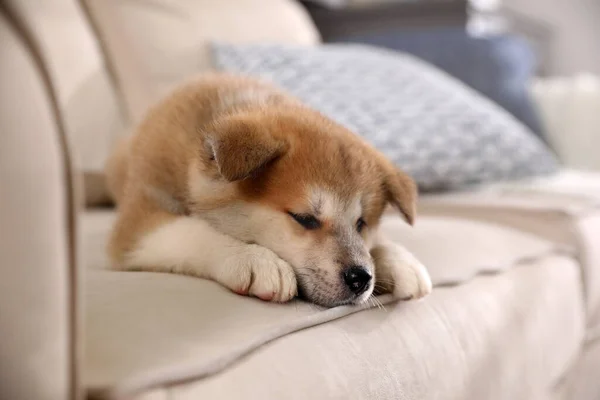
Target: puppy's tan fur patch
{"x": 216, "y": 168}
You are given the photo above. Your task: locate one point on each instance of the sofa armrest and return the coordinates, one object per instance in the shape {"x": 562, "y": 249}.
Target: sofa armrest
{"x": 38, "y": 318}
{"x": 569, "y": 109}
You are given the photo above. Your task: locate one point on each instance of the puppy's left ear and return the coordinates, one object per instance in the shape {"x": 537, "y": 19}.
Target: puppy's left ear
{"x": 242, "y": 145}
{"x": 402, "y": 193}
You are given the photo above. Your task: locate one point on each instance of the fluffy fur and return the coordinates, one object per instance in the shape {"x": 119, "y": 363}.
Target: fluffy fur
{"x": 207, "y": 185}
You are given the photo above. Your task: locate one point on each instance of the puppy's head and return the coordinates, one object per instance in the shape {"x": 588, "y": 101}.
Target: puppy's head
{"x": 304, "y": 187}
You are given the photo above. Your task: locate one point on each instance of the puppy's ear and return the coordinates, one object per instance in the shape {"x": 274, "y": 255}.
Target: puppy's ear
{"x": 401, "y": 193}
{"x": 242, "y": 145}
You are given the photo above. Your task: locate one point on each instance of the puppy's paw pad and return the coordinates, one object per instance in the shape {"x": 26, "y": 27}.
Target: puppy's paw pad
{"x": 266, "y": 296}
{"x": 241, "y": 291}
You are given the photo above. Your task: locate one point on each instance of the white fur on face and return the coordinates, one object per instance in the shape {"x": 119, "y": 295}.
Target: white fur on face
{"x": 343, "y": 215}
{"x": 327, "y": 205}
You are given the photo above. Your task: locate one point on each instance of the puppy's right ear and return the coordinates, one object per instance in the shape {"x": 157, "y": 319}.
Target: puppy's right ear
{"x": 242, "y": 145}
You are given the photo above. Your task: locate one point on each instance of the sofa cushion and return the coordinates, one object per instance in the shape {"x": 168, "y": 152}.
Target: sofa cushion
{"x": 564, "y": 209}
{"x": 499, "y": 337}
{"x": 579, "y": 383}
{"x": 81, "y": 89}
{"x": 149, "y": 329}
{"x": 486, "y": 339}
{"x": 152, "y": 45}
{"x": 441, "y": 132}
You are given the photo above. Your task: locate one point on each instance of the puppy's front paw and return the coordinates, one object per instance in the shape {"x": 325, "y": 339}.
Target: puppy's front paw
{"x": 398, "y": 272}
{"x": 258, "y": 271}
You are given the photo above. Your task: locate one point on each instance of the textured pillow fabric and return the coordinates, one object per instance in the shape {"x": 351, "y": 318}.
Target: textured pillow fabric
{"x": 500, "y": 67}
{"x": 444, "y": 134}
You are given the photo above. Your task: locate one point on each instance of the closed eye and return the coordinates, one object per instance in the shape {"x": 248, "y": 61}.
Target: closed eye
{"x": 360, "y": 225}
{"x": 308, "y": 221}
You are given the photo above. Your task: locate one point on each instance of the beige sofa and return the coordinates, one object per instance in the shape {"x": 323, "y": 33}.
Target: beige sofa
{"x": 515, "y": 313}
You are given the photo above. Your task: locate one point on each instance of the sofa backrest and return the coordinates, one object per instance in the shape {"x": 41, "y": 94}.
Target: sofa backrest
{"x": 108, "y": 60}
{"x": 66, "y": 48}
{"x": 39, "y": 316}
{"x": 152, "y": 45}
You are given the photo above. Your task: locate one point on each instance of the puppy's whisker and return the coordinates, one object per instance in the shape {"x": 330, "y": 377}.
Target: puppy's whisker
{"x": 382, "y": 287}
{"x": 375, "y": 303}
{"x": 384, "y": 281}
{"x": 379, "y": 304}
{"x": 369, "y": 302}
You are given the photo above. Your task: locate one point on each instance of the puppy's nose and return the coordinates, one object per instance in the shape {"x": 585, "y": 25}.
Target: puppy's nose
{"x": 357, "y": 278}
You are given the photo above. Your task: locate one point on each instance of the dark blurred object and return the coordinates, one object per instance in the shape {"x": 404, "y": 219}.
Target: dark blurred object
{"x": 341, "y": 21}
{"x": 499, "y": 65}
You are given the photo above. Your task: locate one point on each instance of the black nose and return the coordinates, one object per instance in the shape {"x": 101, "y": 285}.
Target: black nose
{"x": 357, "y": 278}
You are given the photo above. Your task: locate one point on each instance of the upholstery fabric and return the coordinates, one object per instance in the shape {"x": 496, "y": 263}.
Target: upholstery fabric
{"x": 145, "y": 331}
{"x": 581, "y": 382}
{"x": 87, "y": 101}
{"x": 440, "y": 131}
{"x": 152, "y": 311}
{"x": 448, "y": 347}
{"x": 564, "y": 209}
{"x": 38, "y": 318}
{"x": 153, "y": 44}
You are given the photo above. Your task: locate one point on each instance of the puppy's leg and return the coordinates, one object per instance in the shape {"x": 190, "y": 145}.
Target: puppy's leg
{"x": 190, "y": 246}
{"x": 398, "y": 272}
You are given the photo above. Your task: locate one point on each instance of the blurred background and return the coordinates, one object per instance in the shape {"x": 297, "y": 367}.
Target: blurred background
{"x": 563, "y": 32}
{"x": 532, "y": 57}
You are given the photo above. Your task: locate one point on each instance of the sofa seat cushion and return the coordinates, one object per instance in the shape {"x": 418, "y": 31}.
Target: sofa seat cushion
{"x": 146, "y": 330}
{"x": 486, "y": 339}
{"x": 579, "y": 383}
{"x": 564, "y": 208}
{"x": 506, "y": 336}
